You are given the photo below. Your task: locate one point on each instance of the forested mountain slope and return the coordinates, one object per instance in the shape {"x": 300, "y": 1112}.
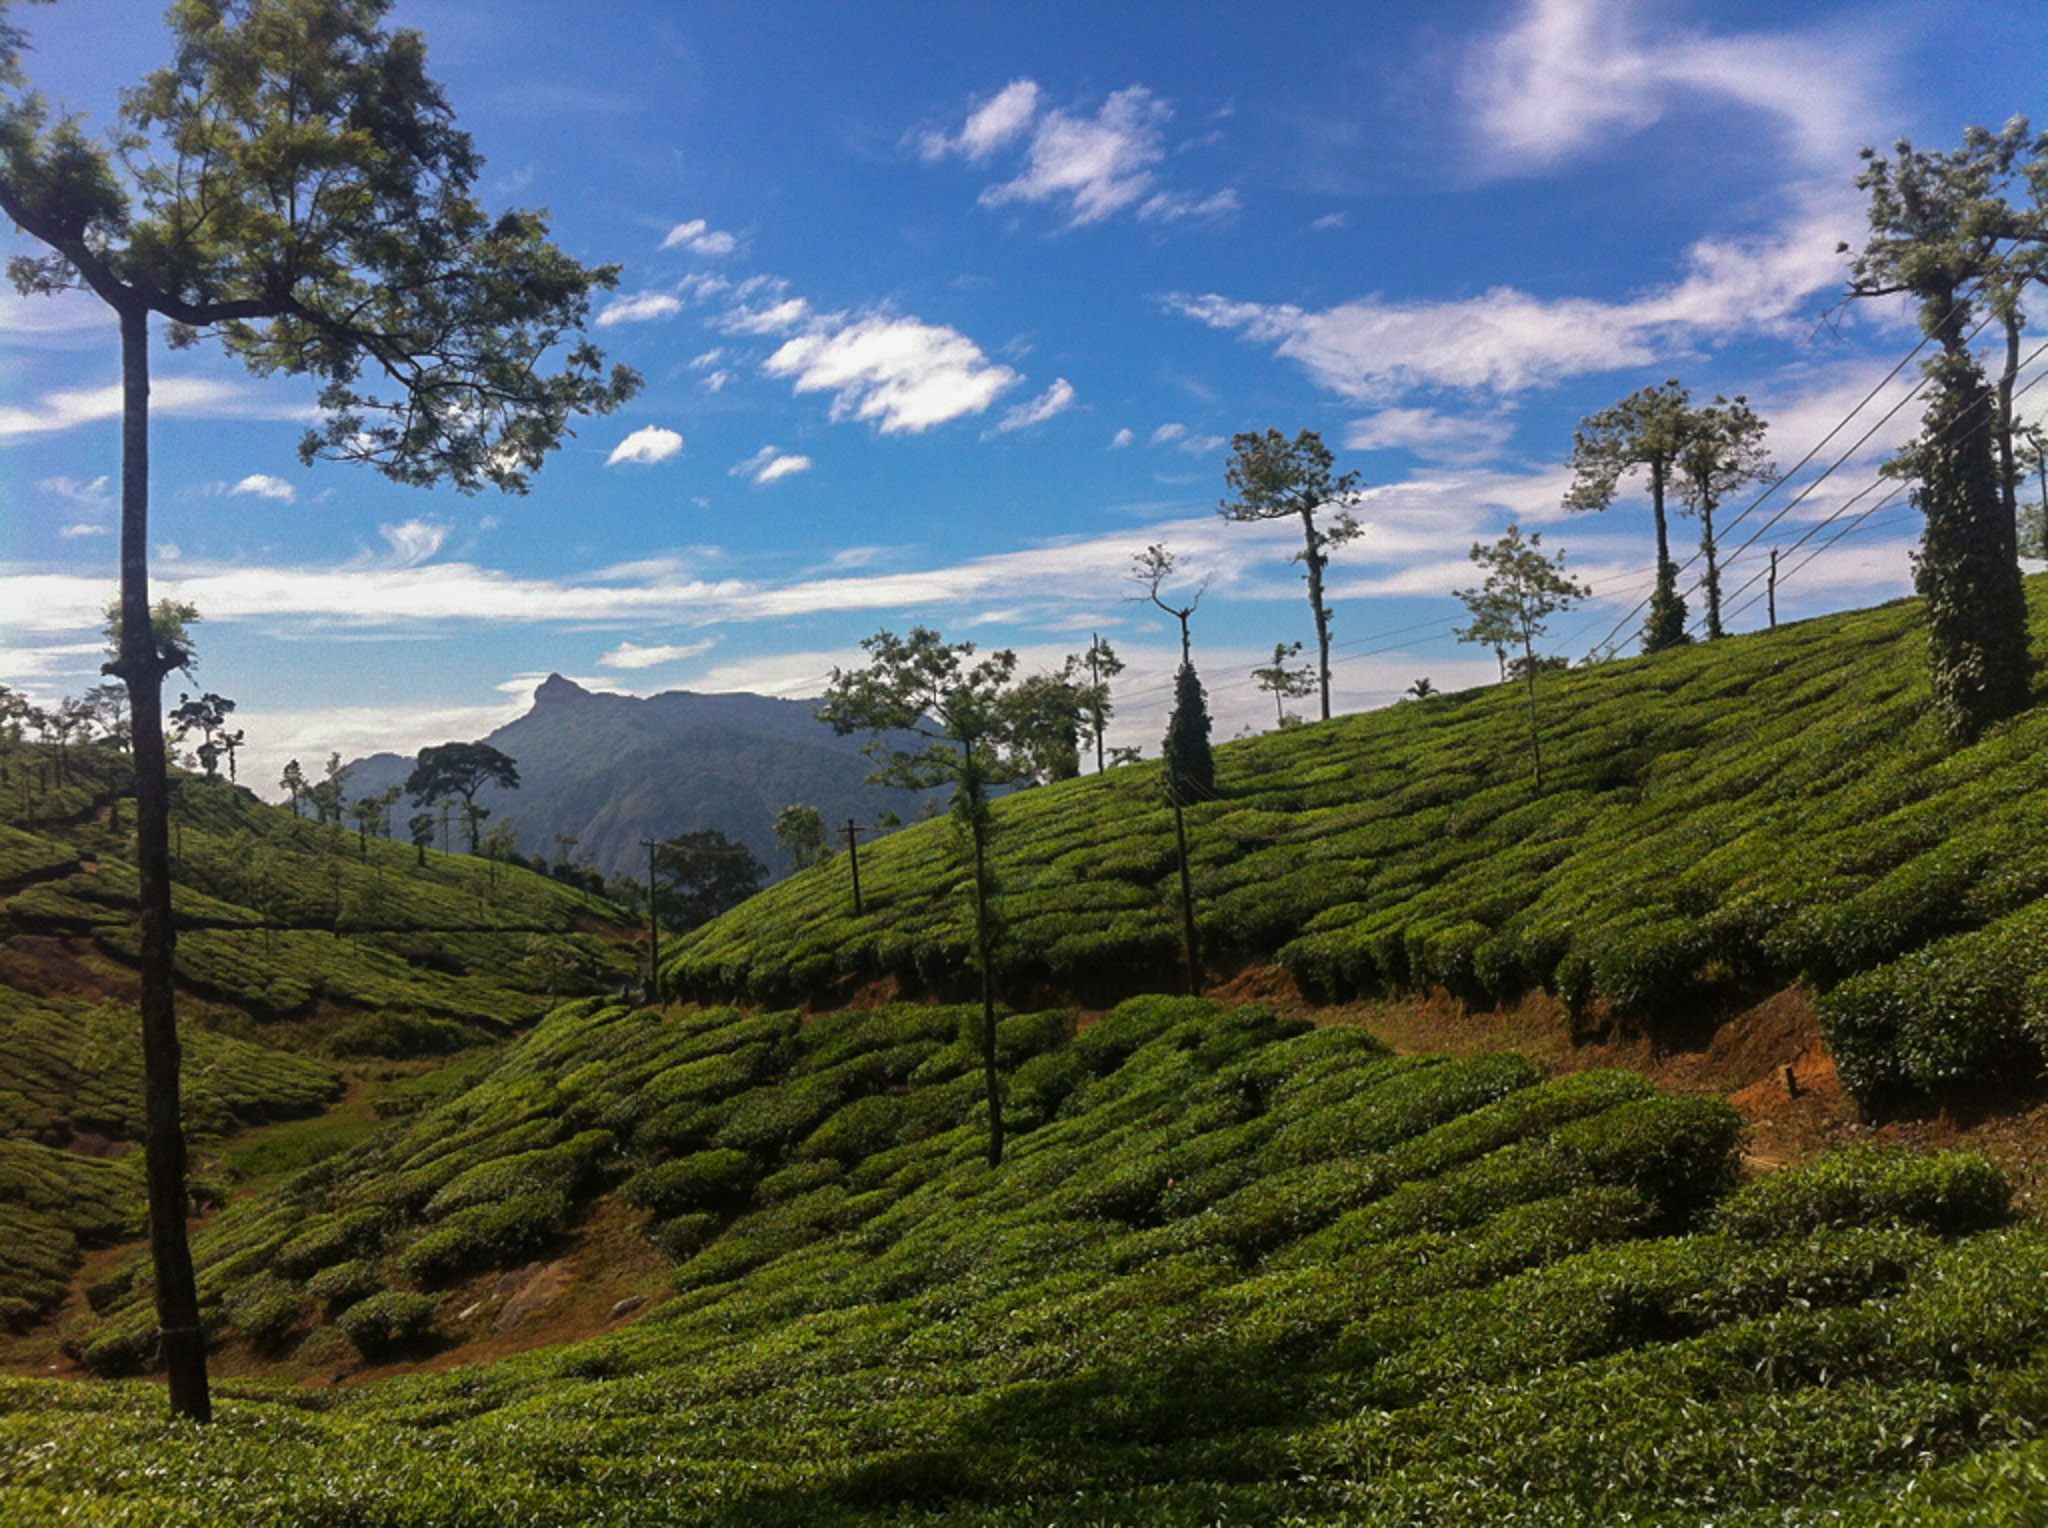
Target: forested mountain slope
{"x": 612, "y": 770}
{"x": 1715, "y": 822}
{"x": 300, "y": 949}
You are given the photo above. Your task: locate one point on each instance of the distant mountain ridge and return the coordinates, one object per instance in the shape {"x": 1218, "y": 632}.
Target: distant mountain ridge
{"x": 612, "y": 770}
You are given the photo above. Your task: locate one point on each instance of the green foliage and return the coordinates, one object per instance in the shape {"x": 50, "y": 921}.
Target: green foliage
{"x": 1190, "y": 762}
{"x": 388, "y": 1324}
{"x": 1949, "y": 1194}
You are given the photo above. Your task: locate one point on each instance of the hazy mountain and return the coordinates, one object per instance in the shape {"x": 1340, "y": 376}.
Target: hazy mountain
{"x": 612, "y": 770}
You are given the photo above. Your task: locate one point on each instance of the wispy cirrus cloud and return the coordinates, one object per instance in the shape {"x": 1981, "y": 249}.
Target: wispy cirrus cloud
{"x": 67, "y": 408}
{"x": 412, "y": 542}
{"x": 771, "y": 464}
{"x": 1432, "y": 435}
{"x": 631, "y": 655}
{"x": 1570, "y": 74}
{"x": 1055, "y": 400}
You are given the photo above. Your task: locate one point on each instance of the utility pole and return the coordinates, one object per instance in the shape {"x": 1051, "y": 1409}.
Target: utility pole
{"x": 853, "y": 862}
{"x": 653, "y": 847}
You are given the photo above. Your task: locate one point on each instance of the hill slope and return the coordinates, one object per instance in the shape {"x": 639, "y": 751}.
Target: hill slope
{"x": 1717, "y": 822}
{"x": 1234, "y": 1270}
{"x": 300, "y": 950}
{"x": 613, "y": 770}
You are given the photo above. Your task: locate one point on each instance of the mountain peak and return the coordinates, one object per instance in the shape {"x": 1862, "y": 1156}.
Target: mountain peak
{"x": 556, "y": 688}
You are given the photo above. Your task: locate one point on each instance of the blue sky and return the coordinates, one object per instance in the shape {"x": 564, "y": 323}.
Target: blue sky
{"x": 947, "y": 311}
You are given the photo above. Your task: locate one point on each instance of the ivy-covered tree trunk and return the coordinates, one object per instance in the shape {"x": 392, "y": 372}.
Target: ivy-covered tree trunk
{"x": 1967, "y": 569}
{"x": 141, "y": 668}
{"x": 1189, "y": 759}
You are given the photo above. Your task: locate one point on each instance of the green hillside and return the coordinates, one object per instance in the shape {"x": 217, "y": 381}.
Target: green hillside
{"x": 1717, "y": 822}
{"x": 1234, "y": 1269}
{"x": 304, "y": 953}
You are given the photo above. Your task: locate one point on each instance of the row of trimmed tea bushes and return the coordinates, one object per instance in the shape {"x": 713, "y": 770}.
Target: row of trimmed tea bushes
{"x": 1238, "y": 1272}
{"x": 1718, "y": 820}
{"x": 692, "y": 1119}
{"x": 52, "y": 1203}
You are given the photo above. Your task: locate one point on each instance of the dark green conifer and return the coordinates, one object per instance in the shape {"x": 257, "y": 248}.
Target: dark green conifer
{"x": 1190, "y": 766}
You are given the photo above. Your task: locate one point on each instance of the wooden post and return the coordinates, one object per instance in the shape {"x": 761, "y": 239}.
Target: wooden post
{"x": 1771, "y": 590}
{"x": 653, "y": 927}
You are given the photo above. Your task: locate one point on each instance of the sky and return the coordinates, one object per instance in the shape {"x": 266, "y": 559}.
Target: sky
{"x": 946, "y": 312}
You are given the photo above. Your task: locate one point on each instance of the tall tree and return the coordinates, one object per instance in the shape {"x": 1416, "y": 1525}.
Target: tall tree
{"x": 1943, "y": 233}
{"x": 1274, "y": 478}
{"x": 1524, "y": 587}
{"x": 207, "y": 716}
{"x": 1646, "y": 430}
{"x": 461, "y": 769}
{"x": 1722, "y": 452}
{"x": 965, "y": 710}
{"x": 292, "y": 183}
{"x": 2031, "y": 459}
{"x": 1284, "y": 680}
{"x": 1103, "y": 665}
{"x": 1190, "y": 763}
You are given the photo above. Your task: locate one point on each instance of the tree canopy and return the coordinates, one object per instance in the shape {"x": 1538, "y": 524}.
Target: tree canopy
{"x": 1524, "y": 587}
{"x": 1647, "y": 430}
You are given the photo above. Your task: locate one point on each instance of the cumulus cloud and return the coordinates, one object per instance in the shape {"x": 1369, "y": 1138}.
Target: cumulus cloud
{"x": 412, "y": 542}
{"x": 265, "y": 486}
{"x": 631, "y": 655}
{"x": 647, "y": 445}
{"x": 1570, "y": 74}
{"x": 700, "y": 238}
{"x": 901, "y": 374}
{"x": 640, "y": 308}
{"x": 80, "y": 528}
{"x": 1056, "y": 399}
{"x": 1121, "y": 439}
{"x": 769, "y": 464}
{"x": 1091, "y": 167}
{"x": 774, "y": 318}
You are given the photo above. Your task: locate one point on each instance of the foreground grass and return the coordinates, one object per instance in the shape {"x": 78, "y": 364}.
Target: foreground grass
{"x": 1233, "y": 1270}
{"x": 1719, "y": 821}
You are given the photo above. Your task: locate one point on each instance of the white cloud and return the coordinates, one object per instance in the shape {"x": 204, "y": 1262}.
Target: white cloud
{"x": 647, "y": 445}
{"x": 707, "y": 360}
{"x": 640, "y": 308}
{"x": 66, "y": 408}
{"x": 769, "y": 464}
{"x": 631, "y": 655}
{"x": 1056, "y": 399}
{"x": 1569, "y": 74}
{"x": 1508, "y": 341}
{"x": 264, "y": 486}
{"x": 80, "y": 528}
{"x": 86, "y": 493}
{"x": 1328, "y": 221}
{"x": 1091, "y": 166}
{"x": 776, "y": 318}
{"x": 699, "y": 238}
{"x": 412, "y": 542}
{"x": 997, "y": 121}
{"x": 1121, "y": 439}
{"x": 1431, "y": 435}
{"x": 1167, "y": 433}
{"x": 900, "y": 373}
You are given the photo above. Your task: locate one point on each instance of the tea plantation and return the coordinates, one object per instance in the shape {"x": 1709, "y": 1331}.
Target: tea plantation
{"x": 1234, "y": 1269}
{"x": 302, "y": 951}
{"x": 1717, "y": 823}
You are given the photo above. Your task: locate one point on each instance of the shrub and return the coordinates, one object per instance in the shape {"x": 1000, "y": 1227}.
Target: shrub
{"x": 705, "y": 1180}
{"x": 485, "y": 1235}
{"x": 332, "y": 1239}
{"x": 386, "y": 1324}
{"x": 1950, "y": 1194}
{"x": 1680, "y": 1154}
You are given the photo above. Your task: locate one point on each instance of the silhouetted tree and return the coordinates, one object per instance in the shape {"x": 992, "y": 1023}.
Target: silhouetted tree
{"x": 701, "y": 875}
{"x": 1190, "y": 763}
{"x": 461, "y": 769}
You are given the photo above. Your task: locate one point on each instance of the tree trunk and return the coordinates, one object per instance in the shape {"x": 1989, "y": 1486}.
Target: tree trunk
{"x": 1187, "y": 890}
{"x": 141, "y": 668}
{"x": 2008, "y": 471}
{"x": 982, "y": 943}
{"x": 1315, "y": 561}
{"x": 1713, "y": 556}
{"x": 1666, "y": 625}
{"x": 1529, "y": 679}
